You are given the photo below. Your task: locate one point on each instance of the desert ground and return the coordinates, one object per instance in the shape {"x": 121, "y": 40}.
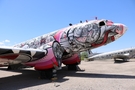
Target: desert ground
{"x": 95, "y": 75}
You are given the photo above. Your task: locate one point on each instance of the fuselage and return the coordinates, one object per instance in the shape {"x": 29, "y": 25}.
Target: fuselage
{"x": 74, "y": 39}
{"x": 79, "y": 37}
{"x": 48, "y": 52}
{"x": 118, "y": 54}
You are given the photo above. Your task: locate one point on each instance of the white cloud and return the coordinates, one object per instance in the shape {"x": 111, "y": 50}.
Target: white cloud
{"x": 6, "y": 41}
{"x": 3, "y": 43}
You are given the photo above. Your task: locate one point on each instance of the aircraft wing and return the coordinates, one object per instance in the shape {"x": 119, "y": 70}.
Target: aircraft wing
{"x": 13, "y": 55}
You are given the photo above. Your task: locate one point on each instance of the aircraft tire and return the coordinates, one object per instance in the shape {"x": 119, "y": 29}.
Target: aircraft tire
{"x": 125, "y": 60}
{"x": 47, "y": 74}
{"x": 15, "y": 67}
{"x": 73, "y": 67}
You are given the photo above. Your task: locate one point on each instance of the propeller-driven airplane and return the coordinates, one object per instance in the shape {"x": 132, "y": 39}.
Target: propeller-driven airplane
{"x": 124, "y": 54}
{"x": 49, "y": 51}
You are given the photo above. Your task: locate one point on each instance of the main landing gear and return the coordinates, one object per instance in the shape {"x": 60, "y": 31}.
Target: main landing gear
{"x": 48, "y": 74}
{"x": 52, "y": 73}
{"x": 15, "y": 67}
{"x": 74, "y": 67}
{"x": 121, "y": 61}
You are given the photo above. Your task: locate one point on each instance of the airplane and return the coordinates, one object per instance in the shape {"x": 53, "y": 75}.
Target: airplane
{"x": 47, "y": 53}
{"x": 124, "y": 54}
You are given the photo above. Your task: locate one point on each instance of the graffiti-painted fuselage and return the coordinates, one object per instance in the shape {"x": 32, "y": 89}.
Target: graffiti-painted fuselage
{"x": 79, "y": 37}
{"x": 63, "y": 46}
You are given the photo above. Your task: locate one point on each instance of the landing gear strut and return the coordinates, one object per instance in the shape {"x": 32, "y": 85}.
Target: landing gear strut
{"x": 48, "y": 74}
{"x": 73, "y": 67}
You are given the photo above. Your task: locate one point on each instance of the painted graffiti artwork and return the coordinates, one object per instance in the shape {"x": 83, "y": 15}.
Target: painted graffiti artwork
{"x": 47, "y": 52}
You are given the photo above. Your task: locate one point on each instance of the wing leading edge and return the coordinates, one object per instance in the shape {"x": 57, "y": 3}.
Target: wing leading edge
{"x": 11, "y": 55}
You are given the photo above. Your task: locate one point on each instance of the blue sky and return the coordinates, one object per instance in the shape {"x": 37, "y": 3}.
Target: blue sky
{"x": 21, "y": 20}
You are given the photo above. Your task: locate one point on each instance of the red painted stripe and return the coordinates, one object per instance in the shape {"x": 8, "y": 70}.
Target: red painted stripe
{"x": 58, "y": 35}
{"x": 103, "y": 42}
{"x": 112, "y": 38}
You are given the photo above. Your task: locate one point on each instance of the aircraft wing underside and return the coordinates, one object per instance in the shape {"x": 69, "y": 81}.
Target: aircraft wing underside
{"x": 11, "y": 55}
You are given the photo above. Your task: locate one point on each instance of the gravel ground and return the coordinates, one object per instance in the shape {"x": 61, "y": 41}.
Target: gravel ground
{"x": 95, "y": 75}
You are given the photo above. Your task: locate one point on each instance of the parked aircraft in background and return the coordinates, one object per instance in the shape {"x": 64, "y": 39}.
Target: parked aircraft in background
{"x": 47, "y": 52}
{"x": 124, "y": 54}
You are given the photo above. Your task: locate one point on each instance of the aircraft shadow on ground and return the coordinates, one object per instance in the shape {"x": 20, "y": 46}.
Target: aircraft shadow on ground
{"x": 29, "y": 78}
{"x": 91, "y": 75}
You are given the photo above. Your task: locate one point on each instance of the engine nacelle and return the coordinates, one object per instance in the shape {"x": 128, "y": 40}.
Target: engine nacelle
{"x": 75, "y": 59}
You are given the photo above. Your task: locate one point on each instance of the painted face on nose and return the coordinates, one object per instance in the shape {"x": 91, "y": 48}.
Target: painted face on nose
{"x": 120, "y": 30}
{"x": 116, "y": 29}
{"x": 109, "y": 32}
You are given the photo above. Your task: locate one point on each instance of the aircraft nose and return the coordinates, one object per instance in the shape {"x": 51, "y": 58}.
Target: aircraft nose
{"x": 125, "y": 28}
{"x": 121, "y": 28}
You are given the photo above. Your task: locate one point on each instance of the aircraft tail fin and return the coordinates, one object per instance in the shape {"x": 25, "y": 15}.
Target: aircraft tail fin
{"x": 90, "y": 53}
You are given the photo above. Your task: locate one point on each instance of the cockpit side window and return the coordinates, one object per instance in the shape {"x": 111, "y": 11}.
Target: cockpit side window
{"x": 102, "y": 23}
